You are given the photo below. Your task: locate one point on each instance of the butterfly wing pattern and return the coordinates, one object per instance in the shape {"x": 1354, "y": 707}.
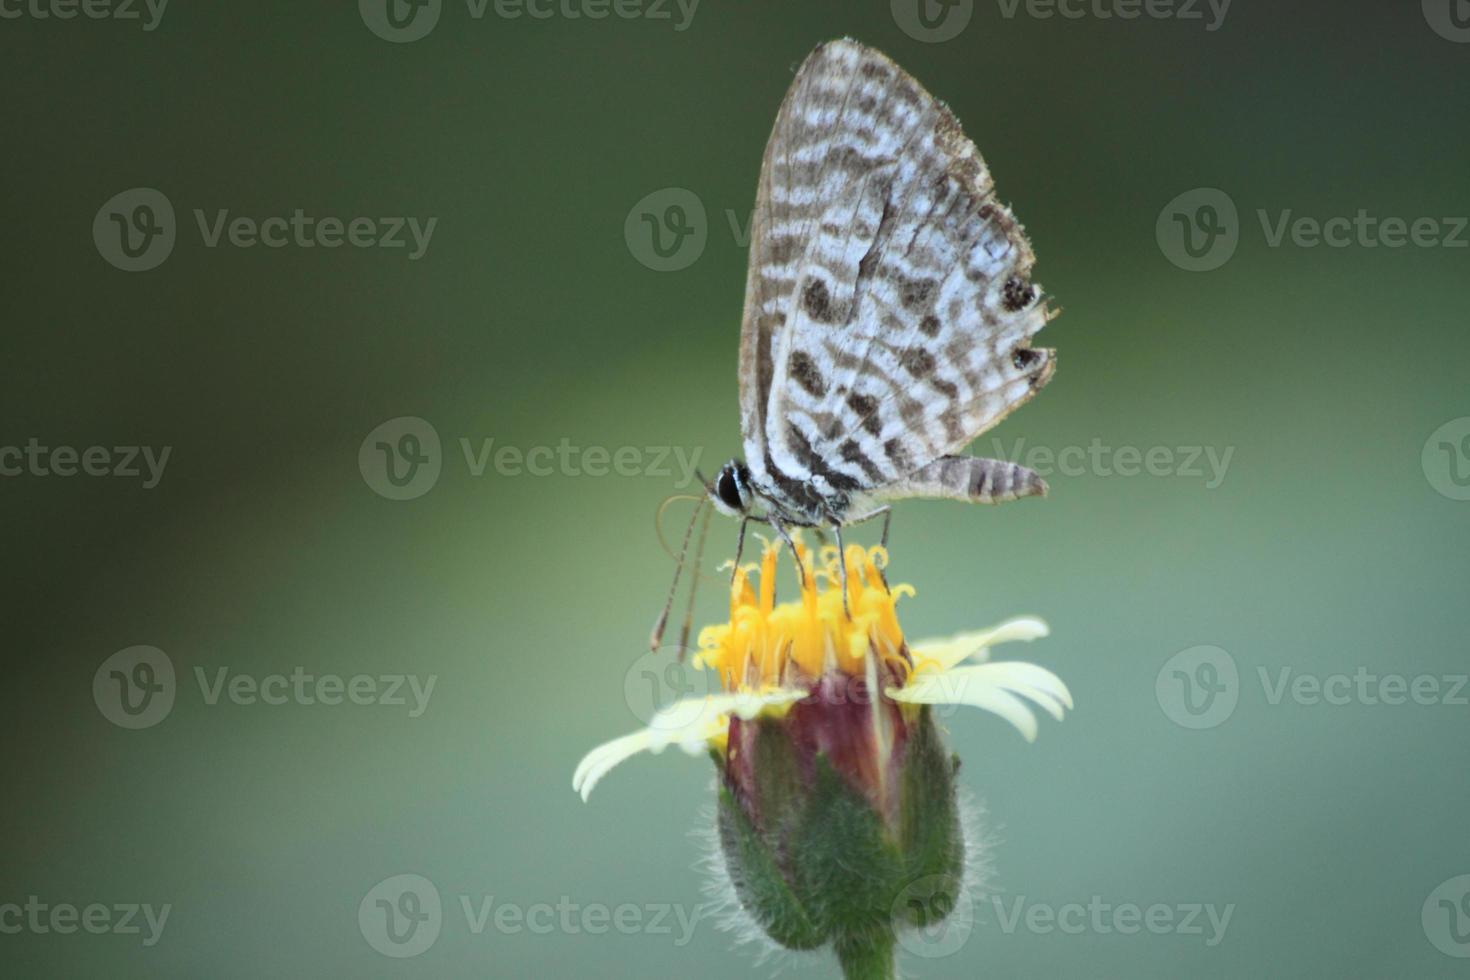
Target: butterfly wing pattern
{"x": 889, "y": 310}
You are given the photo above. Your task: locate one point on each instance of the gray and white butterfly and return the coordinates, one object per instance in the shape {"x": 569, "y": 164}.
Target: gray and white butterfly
{"x": 889, "y": 308}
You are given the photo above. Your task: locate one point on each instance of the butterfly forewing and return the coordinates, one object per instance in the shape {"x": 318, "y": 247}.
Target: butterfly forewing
{"x": 889, "y": 309}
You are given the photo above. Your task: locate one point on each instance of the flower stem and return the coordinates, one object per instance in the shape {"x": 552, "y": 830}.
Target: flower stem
{"x": 866, "y": 955}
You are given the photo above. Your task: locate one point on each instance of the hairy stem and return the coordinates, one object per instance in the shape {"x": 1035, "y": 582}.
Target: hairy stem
{"x": 867, "y": 955}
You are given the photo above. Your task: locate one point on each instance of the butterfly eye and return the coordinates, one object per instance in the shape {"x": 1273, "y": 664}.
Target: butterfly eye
{"x": 727, "y": 490}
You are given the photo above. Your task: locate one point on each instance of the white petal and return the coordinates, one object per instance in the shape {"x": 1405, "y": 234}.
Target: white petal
{"x": 930, "y": 689}
{"x": 993, "y": 687}
{"x": 690, "y": 724}
{"x": 599, "y": 761}
{"x": 1037, "y": 683}
{"x": 977, "y": 643}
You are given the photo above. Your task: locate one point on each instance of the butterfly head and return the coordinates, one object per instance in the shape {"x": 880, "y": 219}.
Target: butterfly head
{"x": 730, "y": 492}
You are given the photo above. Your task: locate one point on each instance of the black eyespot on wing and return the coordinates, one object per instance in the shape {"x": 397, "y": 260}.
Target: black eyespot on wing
{"x": 727, "y": 490}
{"x": 1017, "y": 294}
{"x": 1024, "y": 358}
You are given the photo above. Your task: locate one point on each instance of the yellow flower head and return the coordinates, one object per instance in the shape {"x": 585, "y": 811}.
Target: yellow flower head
{"x": 773, "y": 658}
{"x": 791, "y": 644}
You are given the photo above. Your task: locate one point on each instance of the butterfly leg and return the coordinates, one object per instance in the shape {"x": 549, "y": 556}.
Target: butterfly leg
{"x": 786, "y": 536}
{"x": 887, "y": 513}
{"x": 739, "y": 548}
{"x": 842, "y": 569}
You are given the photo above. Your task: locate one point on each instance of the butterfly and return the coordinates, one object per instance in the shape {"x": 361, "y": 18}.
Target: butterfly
{"x": 889, "y": 309}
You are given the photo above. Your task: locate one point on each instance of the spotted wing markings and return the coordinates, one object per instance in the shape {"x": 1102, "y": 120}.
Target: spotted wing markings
{"x": 925, "y": 375}
{"x": 830, "y": 286}
{"x": 882, "y": 302}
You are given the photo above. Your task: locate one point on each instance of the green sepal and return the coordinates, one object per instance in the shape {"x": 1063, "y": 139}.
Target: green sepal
{"x": 759, "y": 884}
{"x": 930, "y": 828}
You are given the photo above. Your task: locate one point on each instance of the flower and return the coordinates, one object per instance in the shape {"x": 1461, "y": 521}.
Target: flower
{"x": 836, "y": 793}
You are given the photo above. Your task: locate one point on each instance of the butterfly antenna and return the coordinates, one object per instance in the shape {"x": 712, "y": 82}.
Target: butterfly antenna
{"x": 658, "y": 521}
{"x": 693, "y": 585}
{"x": 657, "y": 636}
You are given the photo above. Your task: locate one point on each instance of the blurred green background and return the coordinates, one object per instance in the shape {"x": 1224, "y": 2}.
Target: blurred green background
{"x": 1335, "y": 541}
